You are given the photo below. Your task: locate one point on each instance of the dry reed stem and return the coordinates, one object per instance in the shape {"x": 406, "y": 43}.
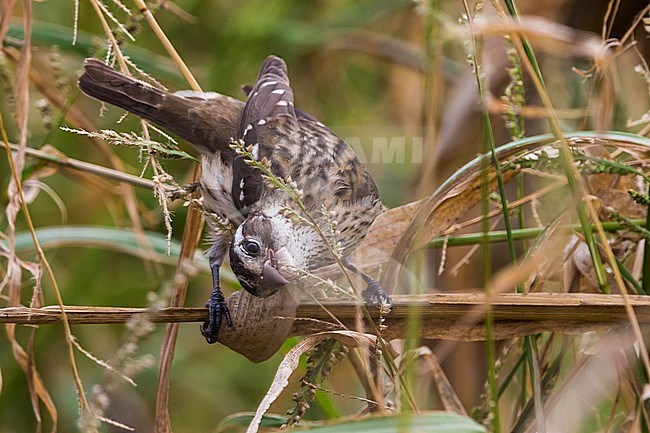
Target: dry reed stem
{"x": 164, "y": 40}
{"x": 191, "y": 235}
{"x": 17, "y": 202}
{"x": 443, "y": 315}
{"x": 52, "y": 156}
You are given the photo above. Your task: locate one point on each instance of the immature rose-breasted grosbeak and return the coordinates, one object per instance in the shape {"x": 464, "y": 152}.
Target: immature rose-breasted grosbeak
{"x": 270, "y": 243}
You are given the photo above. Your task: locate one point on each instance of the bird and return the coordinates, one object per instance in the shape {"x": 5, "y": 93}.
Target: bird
{"x": 295, "y": 193}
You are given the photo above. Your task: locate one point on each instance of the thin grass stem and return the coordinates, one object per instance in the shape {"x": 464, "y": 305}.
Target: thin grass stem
{"x": 50, "y": 273}
{"x": 532, "y": 357}
{"x": 490, "y": 346}
{"x": 645, "y": 279}
{"x": 565, "y": 158}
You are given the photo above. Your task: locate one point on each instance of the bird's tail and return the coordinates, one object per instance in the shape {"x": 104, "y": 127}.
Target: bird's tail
{"x": 102, "y": 82}
{"x": 207, "y": 120}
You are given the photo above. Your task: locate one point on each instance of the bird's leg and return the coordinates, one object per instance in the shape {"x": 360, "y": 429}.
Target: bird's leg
{"x": 217, "y": 302}
{"x": 373, "y": 294}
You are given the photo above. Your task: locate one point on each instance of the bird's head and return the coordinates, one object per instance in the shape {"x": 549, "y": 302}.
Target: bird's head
{"x": 260, "y": 261}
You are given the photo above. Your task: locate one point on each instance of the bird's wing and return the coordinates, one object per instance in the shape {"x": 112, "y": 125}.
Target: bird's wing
{"x": 323, "y": 166}
{"x": 299, "y": 148}
{"x": 270, "y": 98}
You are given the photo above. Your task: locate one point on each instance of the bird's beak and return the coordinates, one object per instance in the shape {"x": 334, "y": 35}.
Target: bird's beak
{"x": 272, "y": 278}
{"x": 278, "y": 270}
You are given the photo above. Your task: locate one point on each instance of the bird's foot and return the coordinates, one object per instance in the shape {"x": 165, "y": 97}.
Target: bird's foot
{"x": 375, "y": 295}
{"x": 216, "y": 307}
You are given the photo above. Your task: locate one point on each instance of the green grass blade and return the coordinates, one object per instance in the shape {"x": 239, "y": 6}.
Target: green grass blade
{"x": 517, "y": 234}
{"x": 433, "y": 422}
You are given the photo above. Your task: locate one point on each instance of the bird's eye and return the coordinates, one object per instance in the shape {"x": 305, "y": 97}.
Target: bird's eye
{"x": 251, "y": 247}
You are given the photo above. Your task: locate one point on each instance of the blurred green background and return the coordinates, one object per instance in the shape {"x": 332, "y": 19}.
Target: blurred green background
{"x": 224, "y": 45}
{"x": 359, "y": 66}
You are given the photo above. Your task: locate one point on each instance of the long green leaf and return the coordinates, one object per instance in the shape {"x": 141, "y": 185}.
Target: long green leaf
{"x": 426, "y": 422}
{"x": 109, "y": 238}
{"x": 98, "y": 236}
{"x": 432, "y": 422}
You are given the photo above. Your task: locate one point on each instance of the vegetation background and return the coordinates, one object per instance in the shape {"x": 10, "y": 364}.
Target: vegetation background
{"x": 372, "y": 70}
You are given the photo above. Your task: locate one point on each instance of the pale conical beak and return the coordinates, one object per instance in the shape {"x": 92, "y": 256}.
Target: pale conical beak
{"x": 272, "y": 278}
{"x": 278, "y": 270}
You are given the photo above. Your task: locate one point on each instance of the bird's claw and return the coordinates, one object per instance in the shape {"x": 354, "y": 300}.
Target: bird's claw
{"x": 216, "y": 307}
{"x": 375, "y": 295}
